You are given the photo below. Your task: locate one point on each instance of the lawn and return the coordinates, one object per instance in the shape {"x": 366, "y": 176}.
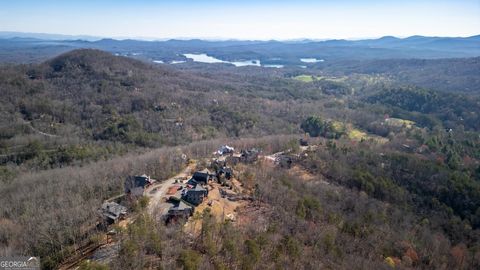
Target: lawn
{"x": 304, "y": 78}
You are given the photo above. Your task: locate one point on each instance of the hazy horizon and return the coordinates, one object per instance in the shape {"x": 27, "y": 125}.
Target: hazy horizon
{"x": 18, "y": 34}
{"x": 248, "y": 20}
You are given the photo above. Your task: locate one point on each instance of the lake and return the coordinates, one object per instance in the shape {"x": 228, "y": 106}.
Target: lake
{"x": 273, "y": 66}
{"x": 311, "y": 60}
{"x": 204, "y": 58}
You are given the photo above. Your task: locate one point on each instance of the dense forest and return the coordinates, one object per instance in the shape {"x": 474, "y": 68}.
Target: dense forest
{"x": 393, "y": 165}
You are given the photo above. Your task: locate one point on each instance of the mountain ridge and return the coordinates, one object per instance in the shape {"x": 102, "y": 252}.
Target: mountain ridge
{"x": 286, "y": 53}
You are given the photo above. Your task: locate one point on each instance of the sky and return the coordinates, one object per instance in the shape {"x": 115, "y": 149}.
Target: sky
{"x": 243, "y": 19}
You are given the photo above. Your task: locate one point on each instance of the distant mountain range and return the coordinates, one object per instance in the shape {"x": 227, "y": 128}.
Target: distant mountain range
{"x": 30, "y": 47}
{"x": 45, "y": 36}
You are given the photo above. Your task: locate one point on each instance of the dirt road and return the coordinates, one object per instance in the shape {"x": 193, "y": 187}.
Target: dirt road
{"x": 157, "y": 192}
{"x": 107, "y": 250}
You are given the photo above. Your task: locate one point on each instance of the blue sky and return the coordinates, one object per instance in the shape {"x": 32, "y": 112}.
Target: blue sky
{"x": 243, "y": 19}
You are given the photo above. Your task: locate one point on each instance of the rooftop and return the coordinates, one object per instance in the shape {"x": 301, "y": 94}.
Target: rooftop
{"x": 180, "y": 206}
{"x": 113, "y": 210}
{"x": 198, "y": 188}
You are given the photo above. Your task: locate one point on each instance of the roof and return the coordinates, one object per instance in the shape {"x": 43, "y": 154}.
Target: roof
{"x": 136, "y": 181}
{"x": 142, "y": 180}
{"x": 204, "y": 171}
{"x": 226, "y": 170}
{"x": 113, "y": 210}
{"x": 254, "y": 152}
{"x": 180, "y": 206}
{"x": 192, "y": 182}
{"x": 225, "y": 149}
{"x": 201, "y": 176}
{"x": 197, "y": 188}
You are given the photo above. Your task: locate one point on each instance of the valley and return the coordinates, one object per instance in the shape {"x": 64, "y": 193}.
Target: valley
{"x": 362, "y": 162}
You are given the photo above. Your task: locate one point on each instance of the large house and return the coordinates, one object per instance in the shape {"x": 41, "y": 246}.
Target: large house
{"x": 180, "y": 211}
{"x": 195, "y": 195}
{"x": 136, "y": 185}
{"x": 201, "y": 177}
{"x": 112, "y": 212}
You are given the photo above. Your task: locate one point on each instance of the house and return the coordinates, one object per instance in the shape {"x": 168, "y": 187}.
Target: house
{"x": 250, "y": 155}
{"x": 180, "y": 211}
{"x": 201, "y": 177}
{"x": 224, "y": 173}
{"x": 136, "y": 185}
{"x": 112, "y": 212}
{"x": 195, "y": 195}
{"x": 225, "y": 149}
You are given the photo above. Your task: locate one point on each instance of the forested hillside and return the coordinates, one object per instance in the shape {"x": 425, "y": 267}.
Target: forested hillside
{"x": 447, "y": 75}
{"x": 89, "y": 104}
{"x": 390, "y": 178}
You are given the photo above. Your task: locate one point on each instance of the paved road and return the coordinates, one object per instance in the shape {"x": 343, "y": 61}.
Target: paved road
{"x": 159, "y": 191}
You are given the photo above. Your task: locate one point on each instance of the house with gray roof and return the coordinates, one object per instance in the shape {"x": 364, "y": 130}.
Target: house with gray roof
{"x": 136, "y": 185}
{"x": 180, "y": 211}
{"x": 112, "y": 212}
{"x": 195, "y": 195}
